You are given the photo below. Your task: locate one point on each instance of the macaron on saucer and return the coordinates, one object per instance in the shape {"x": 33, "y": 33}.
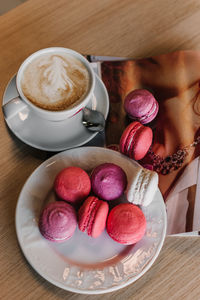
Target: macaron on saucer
{"x": 126, "y": 224}
{"x": 136, "y": 140}
{"x": 108, "y": 181}
{"x": 141, "y": 106}
{"x": 58, "y": 221}
{"x": 72, "y": 184}
{"x": 83, "y": 264}
{"x": 141, "y": 186}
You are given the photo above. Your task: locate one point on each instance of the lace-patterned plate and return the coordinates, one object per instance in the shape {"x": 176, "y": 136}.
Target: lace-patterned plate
{"x": 83, "y": 264}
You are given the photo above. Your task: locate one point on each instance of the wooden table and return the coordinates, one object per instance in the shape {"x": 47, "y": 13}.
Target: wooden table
{"x": 119, "y": 28}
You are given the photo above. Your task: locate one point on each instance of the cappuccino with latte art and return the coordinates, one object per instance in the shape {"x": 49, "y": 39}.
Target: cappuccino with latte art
{"x": 55, "y": 81}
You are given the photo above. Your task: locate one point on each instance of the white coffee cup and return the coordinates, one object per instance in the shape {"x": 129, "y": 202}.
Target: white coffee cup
{"x": 15, "y": 105}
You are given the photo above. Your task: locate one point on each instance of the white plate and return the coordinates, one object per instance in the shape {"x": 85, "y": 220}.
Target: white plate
{"x": 54, "y": 136}
{"x": 84, "y": 264}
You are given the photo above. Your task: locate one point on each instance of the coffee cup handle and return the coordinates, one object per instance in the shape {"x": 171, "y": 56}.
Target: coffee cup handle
{"x": 12, "y": 107}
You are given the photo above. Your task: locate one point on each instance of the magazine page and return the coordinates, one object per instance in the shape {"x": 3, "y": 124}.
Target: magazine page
{"x": 174, "y": 81}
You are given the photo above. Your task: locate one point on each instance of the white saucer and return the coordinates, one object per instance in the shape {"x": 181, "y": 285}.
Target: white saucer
{"x": 83, "y": 264}
{"x": 54, "y": 136}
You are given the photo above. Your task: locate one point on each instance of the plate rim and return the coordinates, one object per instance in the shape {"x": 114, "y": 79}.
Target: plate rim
{"x": 87, "y": 291}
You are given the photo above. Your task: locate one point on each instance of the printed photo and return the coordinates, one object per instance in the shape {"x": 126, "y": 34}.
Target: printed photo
{"x": 174, "y": 80}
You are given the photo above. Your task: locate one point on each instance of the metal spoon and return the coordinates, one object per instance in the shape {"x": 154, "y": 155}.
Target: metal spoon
{"x": 93, "y": 120}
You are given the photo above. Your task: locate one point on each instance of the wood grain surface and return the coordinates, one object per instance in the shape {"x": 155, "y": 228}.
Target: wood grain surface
{"x": 107, "y": 27}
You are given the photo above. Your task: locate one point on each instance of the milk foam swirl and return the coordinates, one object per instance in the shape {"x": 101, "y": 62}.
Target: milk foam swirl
{"x": 56, "y": 73}
{"x": 55, "y": 81}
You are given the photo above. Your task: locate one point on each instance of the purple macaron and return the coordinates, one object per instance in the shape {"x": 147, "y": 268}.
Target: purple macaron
{"x": 140, "y": 105}
{"x": 108, "y": 181}
{"x": 58, "y": 221}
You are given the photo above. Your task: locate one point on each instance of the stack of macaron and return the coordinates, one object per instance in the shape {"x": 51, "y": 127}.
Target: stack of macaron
{"x": 142, "y": 108}
{"x": 83, "y": 200}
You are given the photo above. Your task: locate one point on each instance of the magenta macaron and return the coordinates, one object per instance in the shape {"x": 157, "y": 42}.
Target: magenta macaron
{"x": 58, "y": 221}
{"x": 136, "y": 140}
{"x": 92, "y": 216}
{"x": 72, "y": 184}
{"x": 126, "y": 224}
{"x": 140, "y": 105}
{"x": 108, "y": 181}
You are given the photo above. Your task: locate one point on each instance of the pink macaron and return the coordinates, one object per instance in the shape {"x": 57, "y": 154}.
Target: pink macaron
{"x": 126, "y": 224}
{"x": 72, "y": 184}
{"x": 108, "y": 181}
{"x": 92, "y": 216}
{"x": 140, "y": 105}
{"x": 136, "y": 140}
{"x": 58, "y": 221}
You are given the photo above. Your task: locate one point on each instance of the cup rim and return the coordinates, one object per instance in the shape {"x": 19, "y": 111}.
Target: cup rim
{"x": 71, "y": 111}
